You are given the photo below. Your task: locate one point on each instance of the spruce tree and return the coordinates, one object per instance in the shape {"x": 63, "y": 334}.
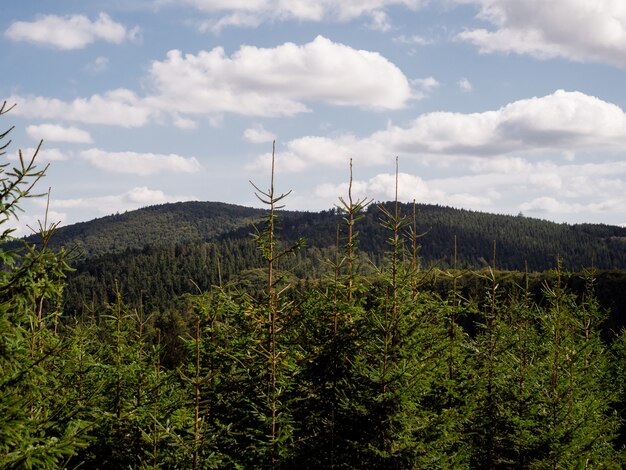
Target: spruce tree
{"x": 39, "y": 426}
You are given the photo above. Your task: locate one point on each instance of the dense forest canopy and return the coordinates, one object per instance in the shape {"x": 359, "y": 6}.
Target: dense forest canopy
{"x": 521, "y": 241}
{"x": 161, "y": 252}
{"x": 377, "y": 360}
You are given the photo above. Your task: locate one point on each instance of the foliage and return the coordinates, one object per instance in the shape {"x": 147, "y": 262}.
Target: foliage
{"x": 39, "y": 426}
{"x": 369, "y": 362}
{"x": 186, "y": 228}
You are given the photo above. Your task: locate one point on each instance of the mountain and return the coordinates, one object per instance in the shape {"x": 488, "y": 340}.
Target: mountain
{"x": 519, "y": 240}
{"x": 156, "y": 254}
{"x": 159, "y": 225}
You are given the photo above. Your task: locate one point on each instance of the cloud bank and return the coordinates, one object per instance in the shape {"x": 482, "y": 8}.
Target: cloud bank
{"x": 574, "y": 29}
{"x": 251, "y": 13}
{"x": 141, "y": 164}
{"x": 55, "y": 133}
{"x": 119, "y": 107}
{"x": 263, "y": 82}
{"x": 277, "y": 81}
{"x": 135, "y": 198}
{"x": 70, "y": 32}
{"x": 560, "y": 122}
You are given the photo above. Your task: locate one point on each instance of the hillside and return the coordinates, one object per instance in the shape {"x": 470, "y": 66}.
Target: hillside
{"x": 519, "y": 240}
{"x": 159, "y": 225}
{"x": 161, "y": 252}
{"x": 470, "y": 353}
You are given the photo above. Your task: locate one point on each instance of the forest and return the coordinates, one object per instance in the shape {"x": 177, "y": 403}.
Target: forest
{"x": 355, "y": 353}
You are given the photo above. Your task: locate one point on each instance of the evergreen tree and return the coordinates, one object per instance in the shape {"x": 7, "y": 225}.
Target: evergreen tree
{"x": 39, "y": 426}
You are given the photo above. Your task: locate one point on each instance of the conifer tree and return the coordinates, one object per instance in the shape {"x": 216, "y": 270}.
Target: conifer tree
{"x": 328, "y": 409}
{"x": 39, "y": 428}
{"x": 272, "y": 314}
{"x": 579, "y": 426}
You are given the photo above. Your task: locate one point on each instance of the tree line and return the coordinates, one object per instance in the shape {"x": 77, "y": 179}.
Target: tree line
{"x": 522, "y": 241}
{"x": 354, "y": 371}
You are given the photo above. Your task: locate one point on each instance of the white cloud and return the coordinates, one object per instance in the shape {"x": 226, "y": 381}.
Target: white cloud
{"x": 414, "y": 39}
{"x": 499, "y": 165}
{"x": 253, "y": 12}
{"x": 142, "y": 164}
{"x": 277, "y": 81}
{"x": 513, "y": 175}
{"x": 424, "y": 86}
{"x": 67, "y": 211}
{"x": 183, "y": 123}
{"x": 551, "y": 205}
{"x": 98, "y": 65}
{"x": 253, "y": 82}
{"x": 549, "y": 181}
{"x": 381, "y": 187}
{"x": 119, "y": 107}
{"x": 542, "y": 188}
{"x": 464, "y": 85}
{"x": 379, "y": 21}
{"x": 28, "y": 224}
{"x": 54, "y": 133}
{"x": 575, "y": 29}
{"x": 258, "y": 135}
{"x": 135, "y": 198}
{"x": 560, "y": 122}
{"x": 506, "y": 156}
{"x": 70, "y": 32}
{"x": 45, "y": 155}
{"x": 309, "y": 152}
{"x": 563, "y": 121}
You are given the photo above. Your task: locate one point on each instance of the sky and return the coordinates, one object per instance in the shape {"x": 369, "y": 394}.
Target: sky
{"x": 502, "y": 106}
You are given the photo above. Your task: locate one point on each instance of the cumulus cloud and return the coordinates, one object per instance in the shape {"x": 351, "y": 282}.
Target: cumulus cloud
{"x": 28, "y": 223}
{"x": 381, "y": 187}
{"x": 45, "y": 155}
{"x": 253, "y": 12}
{"x": 71, "y": 210}
{"x": 551, "y": 205}
{"x": 425, "y": 86}
{"x": 55, "y": 133}
{"x": 541, "y": 188}
{"x": 573, "y": 29}
{"x": 141, "y": 164}
{"x": 379, "y": 21}
{"x": 258, "y": 135}
{"x": 499, "y": 164}
{"x": 277, "y": 81}
{"x": 134, "y": 198}
{"x": 253, "y": 81}
{"x": 311, "y": 151}
{"x": 70, "y": 32}
{"x": 586, "y": 180}
{"x": 183, "y": 122}
{"x": 119, "y": 107}
{"x": 544, "y": 188}
{"x": 560, "y": 122}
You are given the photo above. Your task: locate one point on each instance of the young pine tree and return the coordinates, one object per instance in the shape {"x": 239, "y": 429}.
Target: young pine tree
{"x": 40, "y": 427}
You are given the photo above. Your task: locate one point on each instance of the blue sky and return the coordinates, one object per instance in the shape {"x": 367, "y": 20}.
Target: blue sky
{"x": 502, "y": 106}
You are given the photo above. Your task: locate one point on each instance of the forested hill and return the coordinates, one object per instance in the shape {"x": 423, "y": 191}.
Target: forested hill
{"x": 159, "y": 225}
{"x": 519, "y": 240}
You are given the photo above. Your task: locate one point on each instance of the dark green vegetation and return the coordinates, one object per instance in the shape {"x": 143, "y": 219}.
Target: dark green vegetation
{"x": 521, "y": 240}
{"x": 374, "y": 362}
{"x": 161, "y": 252}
